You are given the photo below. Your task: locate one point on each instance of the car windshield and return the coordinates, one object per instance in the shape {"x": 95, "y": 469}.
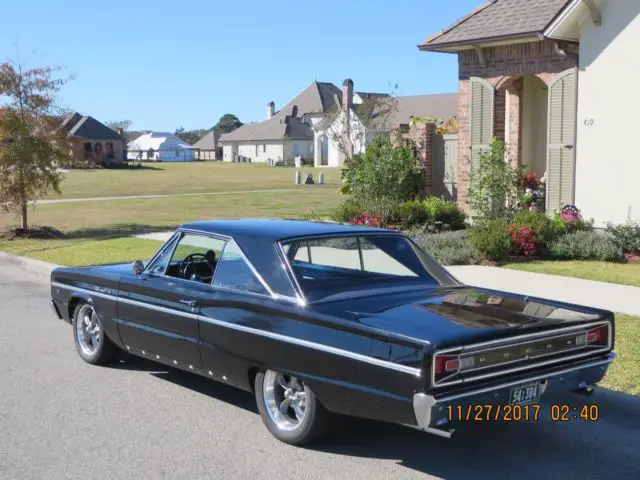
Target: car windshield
{"x": 329, "y": 268}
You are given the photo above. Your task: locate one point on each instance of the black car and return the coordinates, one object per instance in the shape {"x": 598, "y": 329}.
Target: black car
{"x": 318, "y": 319}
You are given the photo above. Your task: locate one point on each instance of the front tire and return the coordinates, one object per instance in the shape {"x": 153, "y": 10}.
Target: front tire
{"x": 289, "y": 409}
{"x": 92, "y": 344}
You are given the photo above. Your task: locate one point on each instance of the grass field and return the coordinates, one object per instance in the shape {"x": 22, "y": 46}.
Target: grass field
{"x": 624, "y": 373}
{"x": 195, "y": 177}
{"x": 91, "y": 227}
{"x": 622, "y": 273}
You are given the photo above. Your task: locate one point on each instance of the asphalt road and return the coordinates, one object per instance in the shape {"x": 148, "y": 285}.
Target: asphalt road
{"x": 61, "y": 418}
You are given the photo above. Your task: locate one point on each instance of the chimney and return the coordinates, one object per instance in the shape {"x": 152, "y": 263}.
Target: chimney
{"x": 347, "y": 94}
{"x": 271, "y": 110}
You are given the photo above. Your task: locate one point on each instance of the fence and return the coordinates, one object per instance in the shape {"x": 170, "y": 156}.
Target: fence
{"x": 445, "y": 148}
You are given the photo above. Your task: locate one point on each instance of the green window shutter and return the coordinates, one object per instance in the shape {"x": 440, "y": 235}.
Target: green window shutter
{"x": 480, "y": 118}
{"x": 561, "y": 140}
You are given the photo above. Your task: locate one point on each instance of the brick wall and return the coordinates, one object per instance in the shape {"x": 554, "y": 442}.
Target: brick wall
{"x": 421, "y": 137}
{"x": 505, "y": 66}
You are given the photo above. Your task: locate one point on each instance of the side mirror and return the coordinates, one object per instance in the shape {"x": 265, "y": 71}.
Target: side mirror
{"x": 138, "y": 267}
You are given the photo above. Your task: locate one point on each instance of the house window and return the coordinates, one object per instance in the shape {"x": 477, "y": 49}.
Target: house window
{"x": 264, "y": 148}
{"x": 296, "y": 149}
{"x": 88, "y": 151}
{"x": 109, "y": 148}
{"x": 256, "y": 150}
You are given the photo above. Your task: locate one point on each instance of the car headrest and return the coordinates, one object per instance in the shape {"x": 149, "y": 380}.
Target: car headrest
{"x": 211, "y": 256}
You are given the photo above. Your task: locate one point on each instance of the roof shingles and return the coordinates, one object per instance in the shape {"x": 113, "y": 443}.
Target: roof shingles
{"x": 318, "y": 97}
{"x": 498, "y": 19}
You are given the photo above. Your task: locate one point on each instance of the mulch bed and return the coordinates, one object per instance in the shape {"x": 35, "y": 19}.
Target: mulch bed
{"x": 37, "y": 232}
{"x": 632, "y": 257}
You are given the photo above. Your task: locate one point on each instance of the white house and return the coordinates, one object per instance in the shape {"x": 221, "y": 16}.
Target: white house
{"x": 607, "y": 155}
{"x": 394, "y": 112}
{"x": 556, "y": 80}
{"x": 160, "y": 147}
{"x": 284, "y": 134}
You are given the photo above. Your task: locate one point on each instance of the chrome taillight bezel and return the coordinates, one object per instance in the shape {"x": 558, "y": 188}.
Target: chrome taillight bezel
{"x": 465, "y": 375}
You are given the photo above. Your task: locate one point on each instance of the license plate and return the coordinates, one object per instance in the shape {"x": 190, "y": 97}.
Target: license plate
{"x": 525, "y": 394}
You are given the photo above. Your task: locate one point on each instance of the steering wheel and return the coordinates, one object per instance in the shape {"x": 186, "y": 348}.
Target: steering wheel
{"x": 187, "y": 263}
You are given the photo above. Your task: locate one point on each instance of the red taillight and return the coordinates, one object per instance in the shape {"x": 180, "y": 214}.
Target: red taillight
{"x": 598, "y": 335}
{"x": 446, "y": 364}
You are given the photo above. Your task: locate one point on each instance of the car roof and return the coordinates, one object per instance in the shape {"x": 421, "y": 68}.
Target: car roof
{"x": 277, "y": 229}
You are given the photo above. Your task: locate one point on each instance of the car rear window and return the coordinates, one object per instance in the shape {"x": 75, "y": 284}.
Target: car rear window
{"x": 329, "y": 266}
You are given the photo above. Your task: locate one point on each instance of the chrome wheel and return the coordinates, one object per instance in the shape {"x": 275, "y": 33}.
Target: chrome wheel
{"x": 88, "y": 330}
{"x": 285, "y": 399}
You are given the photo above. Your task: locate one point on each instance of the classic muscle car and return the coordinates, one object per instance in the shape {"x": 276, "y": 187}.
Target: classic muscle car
{"x": 318, "y": 319}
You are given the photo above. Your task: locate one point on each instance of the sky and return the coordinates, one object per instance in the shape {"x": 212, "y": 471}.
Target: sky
{"x": 165, "y": 65}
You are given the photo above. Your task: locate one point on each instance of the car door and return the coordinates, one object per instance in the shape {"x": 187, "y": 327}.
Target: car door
{"x": 158, "y": 310}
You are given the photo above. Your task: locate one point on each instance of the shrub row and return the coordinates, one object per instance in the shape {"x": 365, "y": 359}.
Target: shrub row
{"x": 530, "y": 234}
{"x": 431, "y": 214}
{"x": 448, "y": 248}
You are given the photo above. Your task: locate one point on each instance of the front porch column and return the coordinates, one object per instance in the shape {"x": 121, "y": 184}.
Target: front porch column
{"x": 513, "y": 117}
{"x": 317, "y": 149}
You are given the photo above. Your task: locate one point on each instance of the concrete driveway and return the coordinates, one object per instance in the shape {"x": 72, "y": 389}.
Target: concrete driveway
{"x": 61, "y": 418}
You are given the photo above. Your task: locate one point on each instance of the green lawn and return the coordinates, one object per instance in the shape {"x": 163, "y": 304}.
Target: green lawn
{"x": 196, "y": 177}
{"x": 622, "y": 273}
{"x": 624, "y": 373}
{"x": 124, "y": 217}
{"x": 92, "y": 227}
{"x": 83, "y": 251}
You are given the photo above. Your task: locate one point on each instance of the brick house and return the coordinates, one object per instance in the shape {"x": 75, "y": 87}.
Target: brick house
{"x": 93, "y": 142}
{"x": 536, "y": 73}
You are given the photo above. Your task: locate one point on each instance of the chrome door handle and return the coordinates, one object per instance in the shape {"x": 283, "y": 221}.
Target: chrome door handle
{"x": 190, "y": 303}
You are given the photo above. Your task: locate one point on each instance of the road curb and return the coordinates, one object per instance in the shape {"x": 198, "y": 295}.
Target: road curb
{"x": 31, "y": 265}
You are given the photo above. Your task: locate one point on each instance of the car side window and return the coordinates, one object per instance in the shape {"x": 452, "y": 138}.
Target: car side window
{"x": 159, "y": 265}
{"x": 234, "y": 272}
{"x": 195, "y": 258}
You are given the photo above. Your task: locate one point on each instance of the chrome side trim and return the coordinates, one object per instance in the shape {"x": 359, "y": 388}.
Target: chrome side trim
{"x": 315, "y": 346}
{"x": 416, "y": 372}
{"x": 423, "y": 403}
{"x": 476, "y": 348}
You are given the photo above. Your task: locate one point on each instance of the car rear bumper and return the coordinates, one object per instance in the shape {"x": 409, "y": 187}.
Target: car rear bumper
{"x": 433, "y": 412}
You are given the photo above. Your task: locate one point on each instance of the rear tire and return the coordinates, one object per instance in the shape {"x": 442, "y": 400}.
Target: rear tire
{"x": 289, "y": 409}
{"x": 92, "y": 344}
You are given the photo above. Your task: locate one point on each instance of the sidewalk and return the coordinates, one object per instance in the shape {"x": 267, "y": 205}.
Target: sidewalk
{"x": 608, "y": 296}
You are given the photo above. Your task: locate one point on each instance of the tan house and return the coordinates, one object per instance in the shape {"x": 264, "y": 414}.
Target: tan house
{"x": 93, "y": 141}
{"x": 554, "y": 80}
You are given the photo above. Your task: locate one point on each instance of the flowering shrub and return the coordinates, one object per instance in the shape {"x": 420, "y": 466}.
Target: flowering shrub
{"x": 523, "y": 240}
{"x": 366, "y": 219}
{"x": 531, "y": 180}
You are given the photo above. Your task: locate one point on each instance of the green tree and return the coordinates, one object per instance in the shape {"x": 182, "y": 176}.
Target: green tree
{"x": 32, "y": 143}
{"x": 493, "y": 183}
{"x": 227, "y": 123}
{"x": 124, "y": 125}
{"x": 190, "y": 136}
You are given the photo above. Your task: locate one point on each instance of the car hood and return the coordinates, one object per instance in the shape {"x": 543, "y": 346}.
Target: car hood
{"x": 461, "y": 315}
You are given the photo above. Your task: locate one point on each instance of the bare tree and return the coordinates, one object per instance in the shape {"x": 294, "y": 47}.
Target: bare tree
{"x": 351, "y": 129}
{"x": 32, "y": 142}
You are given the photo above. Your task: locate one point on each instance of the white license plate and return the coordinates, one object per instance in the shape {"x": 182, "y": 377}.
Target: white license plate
{"x": 525, "y": 394}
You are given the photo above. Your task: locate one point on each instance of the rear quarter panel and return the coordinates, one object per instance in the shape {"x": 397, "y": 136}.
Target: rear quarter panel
{"x": 348, "y": 366}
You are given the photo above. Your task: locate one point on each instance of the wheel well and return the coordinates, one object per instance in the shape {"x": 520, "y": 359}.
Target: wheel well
{"x": 72, "y": 306}
{"x": 253, "y": 371}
